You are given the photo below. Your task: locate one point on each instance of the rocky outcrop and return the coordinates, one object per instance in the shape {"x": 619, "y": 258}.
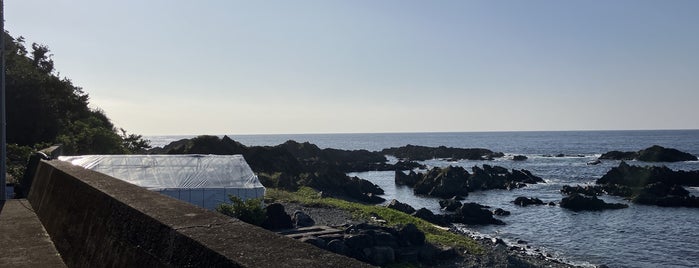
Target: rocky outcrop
{"x": 651, "y": 185}
{"x": 577, "y": 202}
{"x": 474, "y": 214}
{"x": 402, "y": 207}
{"x": 519, "y": 158}
{"x": 456, "y": 181}
{"x": 637, "y": 176}
{"x": 443, "y": 182}
{"x": 654, "y": 153}
{"x": 527, "y": 201}
{"x": 589, "y": 190}
{"x": 383, "y": 246}
{"x": 421, "y": 153}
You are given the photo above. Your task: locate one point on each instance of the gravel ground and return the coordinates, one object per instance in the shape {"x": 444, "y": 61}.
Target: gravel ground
{"x": 497, "y": 254}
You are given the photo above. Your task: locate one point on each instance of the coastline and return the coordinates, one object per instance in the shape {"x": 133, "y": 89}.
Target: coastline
{"x": 497, "y": 253}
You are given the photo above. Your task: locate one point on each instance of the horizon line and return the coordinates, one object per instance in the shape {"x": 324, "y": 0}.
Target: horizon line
{"x": 415, "y": 132}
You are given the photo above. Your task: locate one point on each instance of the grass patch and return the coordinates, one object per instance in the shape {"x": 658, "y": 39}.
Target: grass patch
{"x": 308, "y": 196}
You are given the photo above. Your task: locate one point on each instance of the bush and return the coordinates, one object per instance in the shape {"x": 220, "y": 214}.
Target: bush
{"x": 250, "y": 211}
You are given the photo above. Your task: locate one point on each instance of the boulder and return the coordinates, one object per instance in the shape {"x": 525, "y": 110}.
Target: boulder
{"x": 473, "y": 213}
{"x": 443, "y": 182}
{"x": 526, "y": 201}
{"x": 301, "y": 219}
{"x": 501, "y": 212}
{"x": 577, "y": 202}
{"x": 519, "y": 158}
{"x": 337, "y": 246}
{"x": 402, "y": 207}
{"x": 381, "y": 256}
{"x": 277, "y": 219}
{"x": 585, "y": 190}
{"x": 427, "y": 215}
{"x": 411, "y": 235}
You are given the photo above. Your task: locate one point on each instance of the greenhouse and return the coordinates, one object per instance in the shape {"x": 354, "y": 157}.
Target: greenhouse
{"x": 202, "y": 180}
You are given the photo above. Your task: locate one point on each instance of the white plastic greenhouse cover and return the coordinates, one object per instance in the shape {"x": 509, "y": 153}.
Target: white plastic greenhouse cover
{"x": 203, "y": 180}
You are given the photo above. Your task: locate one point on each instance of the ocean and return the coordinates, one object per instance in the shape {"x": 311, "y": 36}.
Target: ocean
{"x": 638, "y": 236}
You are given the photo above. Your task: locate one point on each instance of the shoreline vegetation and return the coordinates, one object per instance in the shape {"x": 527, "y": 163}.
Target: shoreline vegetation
{"x": 312, "y": 178}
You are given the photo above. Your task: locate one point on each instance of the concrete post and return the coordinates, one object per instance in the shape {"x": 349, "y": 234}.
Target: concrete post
{"x": 3, "y": 146}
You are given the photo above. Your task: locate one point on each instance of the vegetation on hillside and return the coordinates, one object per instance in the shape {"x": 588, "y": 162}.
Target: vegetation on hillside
{"x": 44, "y": 109}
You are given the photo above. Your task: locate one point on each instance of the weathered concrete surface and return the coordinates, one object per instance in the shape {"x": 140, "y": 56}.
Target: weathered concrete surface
{"x": 23, "y": 240}
{"x": 96, "y": 220}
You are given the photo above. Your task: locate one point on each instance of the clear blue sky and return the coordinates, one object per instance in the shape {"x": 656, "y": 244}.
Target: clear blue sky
{"x": 232, "y": 67}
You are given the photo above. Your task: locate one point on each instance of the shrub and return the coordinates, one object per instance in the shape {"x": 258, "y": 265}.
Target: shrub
{"x": 250, "y": 211}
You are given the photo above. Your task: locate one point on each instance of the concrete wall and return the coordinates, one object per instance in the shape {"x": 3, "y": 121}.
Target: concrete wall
{"x": 98, "y": 221}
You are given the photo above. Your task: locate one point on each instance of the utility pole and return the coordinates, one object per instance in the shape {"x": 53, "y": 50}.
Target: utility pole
{"x": 3, "y": 146}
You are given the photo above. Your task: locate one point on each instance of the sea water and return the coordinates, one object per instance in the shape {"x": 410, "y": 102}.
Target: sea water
{"x": 638, "y": 236}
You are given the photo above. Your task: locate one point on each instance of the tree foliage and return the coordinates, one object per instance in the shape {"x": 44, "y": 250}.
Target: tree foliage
{"x": 43, "y": 108}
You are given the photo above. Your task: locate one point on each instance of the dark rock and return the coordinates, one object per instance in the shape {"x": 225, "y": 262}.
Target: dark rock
{"x": 402, "y": 207}
{"x": 408, "y": 165}
{"x": 421, "y": 153}
{"x": 302, "y": 219}
{"x": 337, "y": 246}
{"x": 585, "y": 190}
{"x": 412, "y": 235}
{"x": 501, "y": 212}
{"x": 636, "y": 176}
{"x": 318, "y": 242}
{"x": 657, "y": 153}
{"x": 449, "y": 204}
{"x": 381, "y": 255}
{"x": 359, "y": 241}
{"x": 428, "y": 253}
{"x": 519, "y": 158}
{"x": 560, "y": 155}
{"x": 552, "y": 204}
{"x": 408, "y": 254}
{"x": 443, "y": 182}
{"x": 577, "y": 202}
{"x": 427, "y": 215}
{"x": 525, "y": 201}
{"x": 409, "y": 179}
{"x": 277, "y": 219}
{"x": 447, "y": 253}
{"x": 385, "y": 239}
{"x": 654, "y": 153}
{"x": 472, "y": 213}
{"x": 618, "y": 155}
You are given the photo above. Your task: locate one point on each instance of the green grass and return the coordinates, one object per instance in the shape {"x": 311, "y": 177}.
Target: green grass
{"x": 393, "y": 217}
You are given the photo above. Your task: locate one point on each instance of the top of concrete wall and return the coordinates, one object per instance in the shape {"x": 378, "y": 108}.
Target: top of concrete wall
{"x": 96, "y": 220}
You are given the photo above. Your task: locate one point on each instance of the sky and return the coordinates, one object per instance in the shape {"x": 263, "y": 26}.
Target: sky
{"x": 165, "y": 67}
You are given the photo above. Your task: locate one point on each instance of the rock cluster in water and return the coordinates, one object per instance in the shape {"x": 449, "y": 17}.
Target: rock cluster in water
{"x": 465, "y": 213}
{"x": 456, "y": 181}
{"x": 654, "y": 153}
{"x": 649, "y": 185}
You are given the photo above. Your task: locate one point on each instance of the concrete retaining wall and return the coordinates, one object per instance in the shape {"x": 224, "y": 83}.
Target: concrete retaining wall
{"x": 98, "y": 221}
